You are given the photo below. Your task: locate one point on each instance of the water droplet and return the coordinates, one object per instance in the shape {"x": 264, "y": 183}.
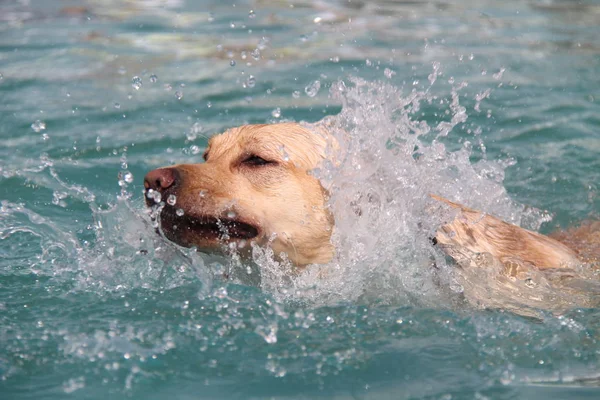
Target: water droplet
{"x": 153, "y": 195}
{"x": 195, "y": 149}
{"x": 171, "y": 200}
{"x": 136, "y": 82}
{"x": 168, "y": 87}
{"x": 317, "y": 20}
{"x": 195, "y": 129}
{"x": 208, "y": 104}
{"x": 122, "y": 70}
{"x": 296, "y": 94}
{"x": 45, "y": 136}
{"x": 179, "y": 212}
{"x": 262, "y": 43}
{"x": 251, "y": 81}
{"x": 153, "y": 78}
{"x": 179, "y": 95}
{"x": 117, "y": 105}
{"x": 255, "y": 54}
{"x": 276, "y": 113}
{"x": 231, "y": 214}
{"x": 128, "y": 177}
{"x": 232, "y": 25}
{"x": 251, "y": 14}
{"x": 389, "y": 73}
{"x": 202, "y": 193}
{"x": 38, "y": 126}
{"x": 221, "y": 293}
{"x": 276, "y": 369}
{"x": 73, "y": 384}
{"x": 312, "y": 89}
{"x": 268, "y": 333}
{"x": 285, "y": 155}
{"x": 232, "y": 63}
{"x": 498, "y": 75}
{"x": 529, "y": 282}
{"x": 1, "y": 77}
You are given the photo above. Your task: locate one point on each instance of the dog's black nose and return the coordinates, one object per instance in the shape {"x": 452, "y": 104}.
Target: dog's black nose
{"x": 160, "y": 179}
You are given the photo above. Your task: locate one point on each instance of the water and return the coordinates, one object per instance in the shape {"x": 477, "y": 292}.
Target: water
{"x": 500, "y": 99}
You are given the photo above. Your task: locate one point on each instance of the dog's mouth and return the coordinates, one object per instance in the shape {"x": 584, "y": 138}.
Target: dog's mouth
{"x": 204, "y": 231}
{"x": 221, "y": 228}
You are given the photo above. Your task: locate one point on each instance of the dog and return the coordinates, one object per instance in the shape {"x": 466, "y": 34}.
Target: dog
{"x": 255, "y": 187}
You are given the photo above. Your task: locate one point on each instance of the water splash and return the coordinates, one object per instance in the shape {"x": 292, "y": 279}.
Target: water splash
{"x": 384, "y": 163}
{"x": 128, "y": 254}
{"x": 120, "y": 251}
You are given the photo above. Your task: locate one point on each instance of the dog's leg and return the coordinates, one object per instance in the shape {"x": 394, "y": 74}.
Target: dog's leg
{"x": 474, "y": 233}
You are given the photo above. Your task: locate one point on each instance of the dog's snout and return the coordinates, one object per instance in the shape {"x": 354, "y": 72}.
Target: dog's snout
{"x": 161, "y": 179}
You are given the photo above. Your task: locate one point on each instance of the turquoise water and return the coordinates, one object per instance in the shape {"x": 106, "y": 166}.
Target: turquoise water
{"x": 93, "y": 304}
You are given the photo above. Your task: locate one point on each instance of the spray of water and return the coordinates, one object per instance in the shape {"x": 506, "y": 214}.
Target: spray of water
{"x": 119, "y": 251}
{"x": 384, "y": 164}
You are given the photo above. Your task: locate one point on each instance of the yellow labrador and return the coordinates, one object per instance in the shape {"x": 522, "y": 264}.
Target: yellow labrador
{"x": 255, "y": 186}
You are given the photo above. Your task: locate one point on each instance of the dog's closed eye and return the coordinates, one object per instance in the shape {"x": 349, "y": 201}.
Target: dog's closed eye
{"x": 255, "y": 161}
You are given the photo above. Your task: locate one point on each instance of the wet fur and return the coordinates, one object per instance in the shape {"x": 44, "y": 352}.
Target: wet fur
{"x": 474, "y": 232}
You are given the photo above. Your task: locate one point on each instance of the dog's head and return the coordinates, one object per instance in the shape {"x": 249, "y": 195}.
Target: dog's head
{"x": 254, "y": 187}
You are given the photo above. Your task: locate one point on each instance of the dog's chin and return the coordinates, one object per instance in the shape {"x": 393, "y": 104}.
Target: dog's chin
{"x": 207, "y": 232}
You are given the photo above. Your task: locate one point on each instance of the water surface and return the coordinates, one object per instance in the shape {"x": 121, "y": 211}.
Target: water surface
{"x": 95, "y": 94}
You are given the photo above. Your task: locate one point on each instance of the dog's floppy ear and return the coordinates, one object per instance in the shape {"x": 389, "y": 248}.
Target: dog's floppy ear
{"x": 477, "y": 233}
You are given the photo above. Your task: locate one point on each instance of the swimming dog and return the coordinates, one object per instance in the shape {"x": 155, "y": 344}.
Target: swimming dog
{"x": 255, "y": 186}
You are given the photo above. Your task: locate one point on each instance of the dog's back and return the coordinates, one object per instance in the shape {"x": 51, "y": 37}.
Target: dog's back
{"x": 584, "y": 240}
